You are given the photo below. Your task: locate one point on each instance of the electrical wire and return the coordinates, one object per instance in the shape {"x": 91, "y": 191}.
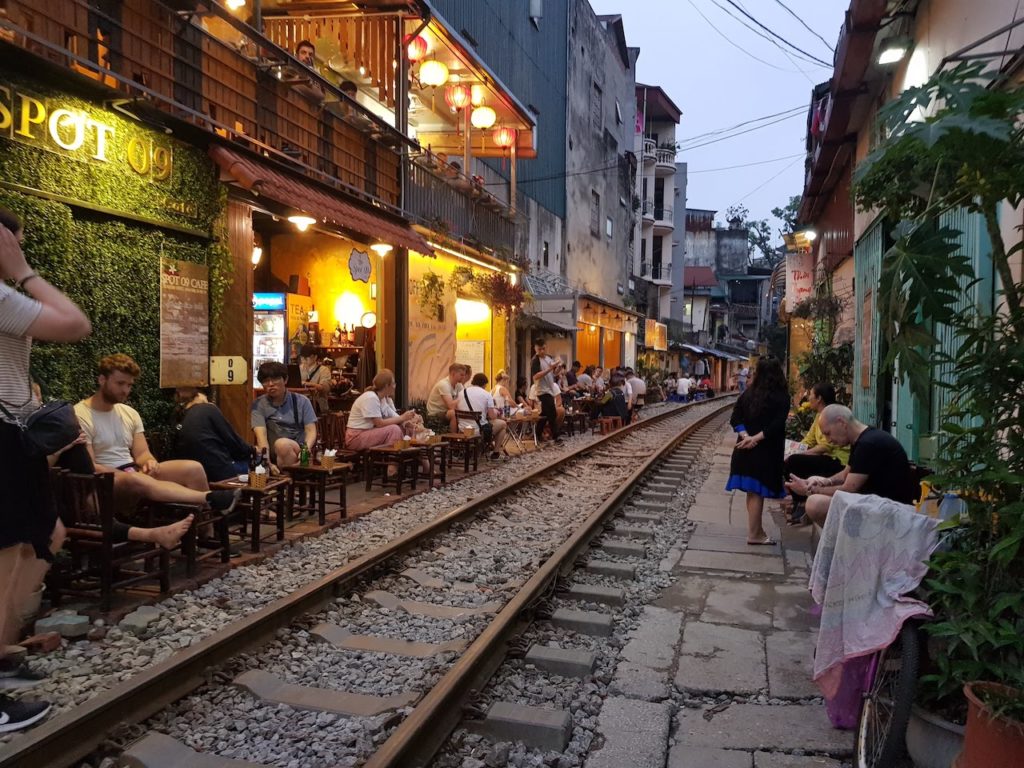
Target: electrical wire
{"x": 766, "y": 182}
{"x": 777, "y": 36}
{"x": 742, "y": 22}
{"x": 804, "y": 25}
{"x": 739, "y": 133}
{"x": 746, "y": 165}
{"x": 718, "y": 131}
{"x": 734, "y": 44}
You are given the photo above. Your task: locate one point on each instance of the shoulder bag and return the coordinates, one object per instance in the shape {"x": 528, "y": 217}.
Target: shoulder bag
{"x": 486, "y": 428}
{"x": 52, "y": 427}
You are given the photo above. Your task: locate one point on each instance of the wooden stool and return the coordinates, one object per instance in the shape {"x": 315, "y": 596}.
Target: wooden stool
{"x": 576, "y": 422}
{"x": 436, "y": 457}
{"x": 465, "y": 447}
{"x": 382, "y": 457}
{"x": 273, "y": 497}
{"x": 317, "y": 480}
{"x": 608, "y": 424}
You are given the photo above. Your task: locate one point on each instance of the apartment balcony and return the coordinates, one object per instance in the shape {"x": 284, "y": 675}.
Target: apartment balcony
{"x": 647, "y": 212}
{"x": 458, "y": 208}
{"x": 656, "y": 272}
{"x": 650, "y": 151}
{"x": 209, "y": 69}
{"x": 665, "y": 162}
{"x": 663, "y": 221}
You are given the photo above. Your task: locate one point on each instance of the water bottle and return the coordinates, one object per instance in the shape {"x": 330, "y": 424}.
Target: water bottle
{"x": 304, "y": 455}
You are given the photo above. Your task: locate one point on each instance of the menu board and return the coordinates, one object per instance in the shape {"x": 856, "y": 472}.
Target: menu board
{"x": 471, "y": 353}
{"x": 184, "y": 324}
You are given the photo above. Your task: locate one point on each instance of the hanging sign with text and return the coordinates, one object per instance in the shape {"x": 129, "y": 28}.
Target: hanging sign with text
{"x": 184, "y": 324}
{"x": 799, "y": 278}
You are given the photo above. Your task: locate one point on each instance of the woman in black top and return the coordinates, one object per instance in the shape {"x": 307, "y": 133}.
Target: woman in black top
{"x": 759, "y": 420}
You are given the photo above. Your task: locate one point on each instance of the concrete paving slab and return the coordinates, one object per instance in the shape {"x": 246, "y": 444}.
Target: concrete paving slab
{"x": 740, "y": 603}
{"x": 635, "y": 734}
{"x": 342, "y": 638}
{"x": 764, "y": 727}
{"x": 158, "y": 750}
{"x": 793, "y": 606}
{"x": 728, "y": 561}
{"x": 721, "y": 658}
{"x": 682, "y": 756}
{"x": 595, "y": 593}
{"x": 584, "y": 622}
{"x": 623, "y": 548}
{"x": 790, "y": 664}
{"x": 653, "y": 643}
{"x": 387, "y": 600}
{"x": 423, "y": 578}
{"x": 670, "y": 560}
{"x": 273, "y": 689}
{"x": 782, "y": 760}
{"x": 567, "y": 662}
{"x": 720, "y": 531}
{"x": 737, "y": 542}
{"x": 548, "y": 729}
{"x": 622, "y": 571}
{"x": 633, "y": 681}
{"x": 686, "y": 596}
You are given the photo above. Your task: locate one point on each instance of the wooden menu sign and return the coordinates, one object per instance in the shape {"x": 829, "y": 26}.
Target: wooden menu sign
{"x": 184, "y": 324}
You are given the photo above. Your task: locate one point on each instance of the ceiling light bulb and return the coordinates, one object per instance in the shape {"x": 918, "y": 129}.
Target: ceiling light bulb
{"x": 381, "y": 249}
{"x": 234, "y": 5}
{"x": 811, "y": 235}
{"x": 257, "y": 254}
{"x": 302, "y": 222}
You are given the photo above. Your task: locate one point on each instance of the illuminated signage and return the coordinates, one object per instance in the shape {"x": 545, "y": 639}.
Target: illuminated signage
{"x": 53, "y": 125}
{"x": 268, "y": 301}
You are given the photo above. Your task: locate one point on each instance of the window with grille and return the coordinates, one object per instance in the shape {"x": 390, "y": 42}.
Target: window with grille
{"x": 595, "y": 214}
{"x": 595, "y": 109}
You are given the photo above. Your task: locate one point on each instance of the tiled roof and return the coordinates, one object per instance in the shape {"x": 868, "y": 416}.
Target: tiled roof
{"x": 699, "y": 277}
{"x": 276, "y": 185}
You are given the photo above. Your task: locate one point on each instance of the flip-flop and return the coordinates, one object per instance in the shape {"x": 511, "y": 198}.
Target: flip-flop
{"x": 768, "y": 542}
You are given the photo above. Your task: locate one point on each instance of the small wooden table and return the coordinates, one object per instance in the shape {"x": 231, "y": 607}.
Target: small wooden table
{"x": 316, "y": 480}
{"x": 520, "y": 429}
{"x": 576, "y": 422}
{"x": 437, "y": 456}
{"x": 271, "y": 497}
{"x": 382, "y": 457}
{"x": 466, "y": 447}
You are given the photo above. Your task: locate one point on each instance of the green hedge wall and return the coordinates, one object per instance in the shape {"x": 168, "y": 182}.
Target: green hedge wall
{"x": 110, "y": 268}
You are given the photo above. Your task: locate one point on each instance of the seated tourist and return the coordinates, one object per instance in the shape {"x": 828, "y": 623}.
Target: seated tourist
{"x": 502, "y": 397}
{"x": 600, "y": 384}
{"x": 638, "y": 387}
{"x": 204, "y": 435}
{"x": 373, "y": 420}
{"x": 443, "y": 400}
{"x": 522, "y": 393}
{"x": 116, "y": 442}
{"x": 281, "y": 420}
{"x": 585, "y": 380}
{"x": 316, "y": 377}
{"x": 684, "y": 385}
{"x": 821, "y": 458}
{"x": 613, "y": 401}
{"x": 878, "y": 464}
{"x": 476, "y": 398}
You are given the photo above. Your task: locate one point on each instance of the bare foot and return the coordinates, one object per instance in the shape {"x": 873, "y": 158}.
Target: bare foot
{"x": 169, "y": 536}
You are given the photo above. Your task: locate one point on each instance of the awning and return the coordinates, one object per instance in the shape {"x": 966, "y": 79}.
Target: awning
{"x": 266, "y": 181}
{"x": 527, "y": 321}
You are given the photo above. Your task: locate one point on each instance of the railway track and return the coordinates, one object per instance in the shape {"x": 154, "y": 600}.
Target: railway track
{"x": 472, "y": 575}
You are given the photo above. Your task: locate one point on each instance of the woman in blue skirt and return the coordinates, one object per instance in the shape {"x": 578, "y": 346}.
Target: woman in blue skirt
{"x": 759, "y": 420}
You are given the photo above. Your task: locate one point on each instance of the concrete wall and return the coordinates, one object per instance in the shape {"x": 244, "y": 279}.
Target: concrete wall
{"x": 730, "y": 252}
{"x": 677, "y": 310}
{"x": 699, "y": 238}
{"x": 594, "y": 261}
{"x": 544, "y": 227}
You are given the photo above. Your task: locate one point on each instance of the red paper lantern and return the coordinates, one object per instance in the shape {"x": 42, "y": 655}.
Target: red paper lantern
{"x": 504, "y": 136}
{"x": 457, "y": 95}
{"x": 416, "y": 47}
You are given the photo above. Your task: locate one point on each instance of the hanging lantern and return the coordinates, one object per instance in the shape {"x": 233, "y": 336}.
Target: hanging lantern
{"x": 504, "y": 136}
{"x": 416, "y": 47}
{"x": 457, "y": 96}
{"x": 479, "y": 93}
{"x": 433, "y": 73}
{"x": 483, "y": 118}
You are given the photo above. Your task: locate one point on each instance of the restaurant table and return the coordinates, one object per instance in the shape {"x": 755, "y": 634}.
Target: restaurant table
{"x": 383, "y": 456}
{"x": 465, "y": 447}
{"x": 315, "y": 480}
{"x": 437, "y": 457}
{"x": 272, "y": 497}
{"x": 520, "y": 429}
{"x": 576, "y": 421}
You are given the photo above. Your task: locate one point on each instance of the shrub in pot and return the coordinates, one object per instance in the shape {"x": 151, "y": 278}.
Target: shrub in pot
{"x": 995, "y": 727}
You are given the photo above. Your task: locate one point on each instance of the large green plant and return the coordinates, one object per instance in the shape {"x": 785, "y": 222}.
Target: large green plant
{"x": 956, "y": 143}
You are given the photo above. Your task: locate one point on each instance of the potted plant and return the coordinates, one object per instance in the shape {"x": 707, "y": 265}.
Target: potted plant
{"x": 958, "y": 165}
{"x": 994, "y": 736}
{"x": 430, "y": 294}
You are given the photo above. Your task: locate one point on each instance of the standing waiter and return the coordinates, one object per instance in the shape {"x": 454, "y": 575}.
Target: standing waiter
{"x": 543, "y": 369}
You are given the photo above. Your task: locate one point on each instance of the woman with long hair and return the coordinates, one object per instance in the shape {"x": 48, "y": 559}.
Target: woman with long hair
{"x": 759, "y": 420}
{"x": 822, "y": 457}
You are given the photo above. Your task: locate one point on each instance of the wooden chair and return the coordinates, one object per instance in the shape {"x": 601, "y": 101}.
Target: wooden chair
{"x": 331, "y": 431}
{"x": 474, "y": 416}
{"x": 98, "y": 564}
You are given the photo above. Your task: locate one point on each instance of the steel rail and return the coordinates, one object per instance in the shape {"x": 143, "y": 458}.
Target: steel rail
{"x": 419, "y": 736}
{"x": 73, "y": 735}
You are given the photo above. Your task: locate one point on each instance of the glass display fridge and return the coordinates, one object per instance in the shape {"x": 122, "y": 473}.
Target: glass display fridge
{"x": 277, "y": 319}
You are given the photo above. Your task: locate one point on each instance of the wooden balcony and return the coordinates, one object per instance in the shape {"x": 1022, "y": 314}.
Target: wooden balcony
{"x": 214, "y": 72}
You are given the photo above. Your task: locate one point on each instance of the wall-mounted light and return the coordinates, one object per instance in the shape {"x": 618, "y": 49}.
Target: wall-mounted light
{"x": 483, "y": 118}
{"x": 373, "y": 291}
{"x": 257, "y": 254}
{"x": 894, "y": 49}
{"x": 811, "y": 235}
{"x": 302, "y": 222}
{"x": 234, "y": 5}
{"x": 381, "y": 249}
{"x": 593, "y": 328}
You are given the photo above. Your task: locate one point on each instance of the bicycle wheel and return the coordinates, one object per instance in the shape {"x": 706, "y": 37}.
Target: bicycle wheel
{"x": 881, "y": 730}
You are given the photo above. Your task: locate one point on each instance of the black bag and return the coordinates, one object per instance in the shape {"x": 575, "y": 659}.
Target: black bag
{"x": 486, "y": 428}
{"x": 48, "y": 429}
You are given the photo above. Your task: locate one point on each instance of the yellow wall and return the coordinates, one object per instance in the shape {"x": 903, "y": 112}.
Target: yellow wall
{"x": 587, "y": 345}
{"x": 432, "y": 342}
{"x": 612, "y": 348}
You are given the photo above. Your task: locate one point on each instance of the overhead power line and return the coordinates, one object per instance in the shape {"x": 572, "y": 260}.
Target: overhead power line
{"x": 768, "y": 181}
{"x": 747, "y": 25}
{"x": 735, "y": 45}
{"x": 804, "y": 25}
{"x": 776, "y": 35}
{"x": 719, "y": 131}
{"x": 738, "y": 133}
{"x": 747, "y": 165}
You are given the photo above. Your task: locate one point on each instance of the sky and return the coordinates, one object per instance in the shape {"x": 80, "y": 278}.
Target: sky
{"x": 717, "y": 84}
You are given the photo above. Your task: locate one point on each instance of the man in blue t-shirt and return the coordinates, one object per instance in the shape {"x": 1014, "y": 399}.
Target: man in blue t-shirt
{"x": 281, "y": 419}
{"x": 878, "y": 465}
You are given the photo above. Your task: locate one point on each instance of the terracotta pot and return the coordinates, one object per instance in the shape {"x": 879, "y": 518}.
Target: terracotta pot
{"x": 989, "y": 741}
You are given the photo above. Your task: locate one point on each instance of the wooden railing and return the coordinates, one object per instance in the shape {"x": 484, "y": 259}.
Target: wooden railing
{"x": 221, "y": 76}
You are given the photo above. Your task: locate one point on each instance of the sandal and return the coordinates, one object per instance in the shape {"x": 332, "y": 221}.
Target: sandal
{"x": 767, "y": 541}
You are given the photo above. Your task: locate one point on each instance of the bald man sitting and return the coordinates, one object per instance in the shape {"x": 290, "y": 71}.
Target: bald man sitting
{"x": 878, "y": 464}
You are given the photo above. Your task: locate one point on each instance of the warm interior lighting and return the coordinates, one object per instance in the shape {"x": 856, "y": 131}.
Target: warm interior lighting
{"x": 593, "y": 328}
{"x": 894, "y": 50}
{"x": 477, "y": 94}
{"x": 483, "y": 118}
{"x": 302, "y": 222}
{"x": 433, "y": 73}
{"x": 381, "y": 249}
{"x": 368, "y": 320}
{"x": 811, "y": 235}
{"x": 504, "y": 136}
{"x": 373, "y": 291}
{"x": 416, "y": 47}
{"x": 257, "y": 254}
{"x": 348, "y": 309}
{"x": 457, "y": 96}
{"x": 234, "y": 5}
{"x": 468, "y": 311}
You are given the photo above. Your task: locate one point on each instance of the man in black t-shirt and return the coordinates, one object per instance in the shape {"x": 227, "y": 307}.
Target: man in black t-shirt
{"x": 878, "y": 464}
